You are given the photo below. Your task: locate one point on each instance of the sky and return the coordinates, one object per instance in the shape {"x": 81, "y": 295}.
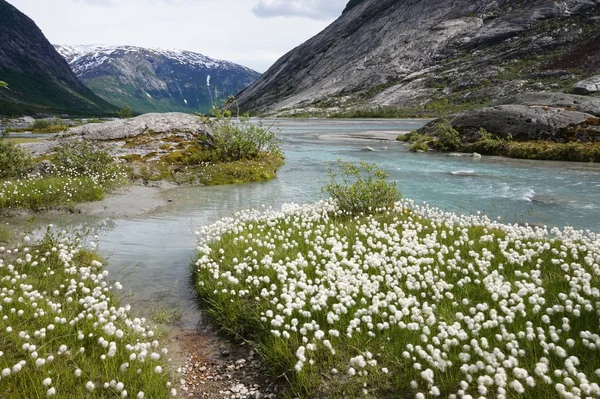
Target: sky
{"x": 254, "y": 33}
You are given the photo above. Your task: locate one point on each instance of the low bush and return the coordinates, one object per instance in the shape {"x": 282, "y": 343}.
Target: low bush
{"x": 448, "y": 138}
{"x": 233, "y": 140}
{"x": 80, "y": 158}
{"x": 361, "y": 188}
{"x": 14, "y": 161}
{"x": 125, "y": 113}
{"x": 419, "y": 142}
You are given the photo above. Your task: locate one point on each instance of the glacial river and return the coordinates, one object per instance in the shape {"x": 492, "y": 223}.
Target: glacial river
{"x": 150, "y": 255}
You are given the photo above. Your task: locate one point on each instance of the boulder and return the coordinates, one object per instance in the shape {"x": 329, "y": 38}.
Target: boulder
{"x": 521, "y": 122}
{"x": 587, "y": 86}
{"x": 588, "y": 105}
{"x": 120, "y": 129}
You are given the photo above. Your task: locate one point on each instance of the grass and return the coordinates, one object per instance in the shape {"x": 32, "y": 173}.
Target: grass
{"x": 6, "y": 234}
{"x": 445, "y": 138}
{"x": 21, "y": 140}
{"x": 70, "y": 337}
{"x": 235, "y": 172}
{"x": 542, "y": 150}
{"x": 411, "y": 303}
{"x": 38, "y": 194}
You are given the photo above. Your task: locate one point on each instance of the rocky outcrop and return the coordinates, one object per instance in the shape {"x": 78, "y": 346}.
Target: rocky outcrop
{"x": 167, "y": 123}
{"x": 148, "y": 136}
{"x": 519, "y": 122}
{"x": 157, "y": 80}
{"x": 588, "y": 105}
{"x": 413, "y": 53}
{"x": 587, "y": 86}
{"x": 39, "y": 79}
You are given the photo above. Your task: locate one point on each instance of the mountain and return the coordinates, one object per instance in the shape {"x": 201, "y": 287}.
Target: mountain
{"x": 432, "y": 55}
{"x": 39, "y": 80}
{"x": 156, "y": 80}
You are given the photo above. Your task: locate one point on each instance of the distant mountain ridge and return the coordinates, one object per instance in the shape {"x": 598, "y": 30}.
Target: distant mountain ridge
{"x": 38, "y": 78}
{"x": 156, "y": 80}
{"x": 432, "y": 53}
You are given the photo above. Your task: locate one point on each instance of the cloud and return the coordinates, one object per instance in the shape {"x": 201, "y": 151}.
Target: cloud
{"x": 313, "y": 9}
{"x": 105, "y": 3}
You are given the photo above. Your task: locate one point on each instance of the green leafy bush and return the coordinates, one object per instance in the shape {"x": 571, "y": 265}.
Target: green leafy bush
{"x": 448, "y": 138}
{"x": 361, "y": 188}
{"x": 14, "y": 161}
{"x": 233, "y": 140}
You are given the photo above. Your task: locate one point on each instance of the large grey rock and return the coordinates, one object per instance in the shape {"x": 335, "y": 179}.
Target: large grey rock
{"x": 173, "y": 122}
{"x": 157, "y": 131}
{"x": 522, "y": 122}
{"x": 411, "y": 52}
{"x": 589, "y": 105}
{"x": 587, "y": 86}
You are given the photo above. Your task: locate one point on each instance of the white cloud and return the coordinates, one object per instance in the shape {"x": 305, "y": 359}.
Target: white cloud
{"x": 313, "y": 9}
{"x": 99, "y": 2}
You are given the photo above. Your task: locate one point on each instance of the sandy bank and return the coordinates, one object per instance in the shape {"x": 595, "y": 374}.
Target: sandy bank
{"x": 127, "y": 202}
{"x": 391, "y": 135}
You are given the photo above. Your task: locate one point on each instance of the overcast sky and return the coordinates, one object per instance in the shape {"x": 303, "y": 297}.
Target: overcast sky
{"x": 254, "y": 33}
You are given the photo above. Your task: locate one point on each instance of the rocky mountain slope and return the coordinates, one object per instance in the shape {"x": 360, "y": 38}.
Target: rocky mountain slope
{"x": 39, "y": 80}
{"x": 432, "y": 55}
{"x": 155, "y": 80}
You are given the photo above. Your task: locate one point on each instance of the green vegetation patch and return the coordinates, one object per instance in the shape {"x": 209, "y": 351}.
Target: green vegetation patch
{"x": 445, "y": 138}
{"x": 77, "y": 173}
{"x": 70, "y": 337}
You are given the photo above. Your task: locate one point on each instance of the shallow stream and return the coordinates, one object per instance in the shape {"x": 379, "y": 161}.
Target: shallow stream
{"x": 157, "y": 248}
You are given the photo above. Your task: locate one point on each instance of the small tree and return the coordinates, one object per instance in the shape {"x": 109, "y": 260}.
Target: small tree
{"x": 125, "y": 113}
{"x": 361, "y": 188}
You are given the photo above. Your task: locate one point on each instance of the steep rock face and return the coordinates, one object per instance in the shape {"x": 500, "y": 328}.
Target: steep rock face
{"x": 38, "y": 78}
{"x": 155, "y": 80}
{"x": 411, "y": 52}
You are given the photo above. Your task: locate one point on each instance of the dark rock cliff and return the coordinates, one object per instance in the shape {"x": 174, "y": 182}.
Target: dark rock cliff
{"x": 39, "y": 79}
{"x": 412, "y": 53}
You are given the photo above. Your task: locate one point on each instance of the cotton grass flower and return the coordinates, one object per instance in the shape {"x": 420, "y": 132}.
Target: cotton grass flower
{"x": 418, "y": 293}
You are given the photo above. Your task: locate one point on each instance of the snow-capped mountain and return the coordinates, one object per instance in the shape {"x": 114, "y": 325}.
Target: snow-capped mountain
{"x": 156, "y": 80}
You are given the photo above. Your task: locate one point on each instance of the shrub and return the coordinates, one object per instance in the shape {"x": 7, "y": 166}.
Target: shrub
{"x": 80, "y": 158}
{"x": 419, "y": 142}
{"x": 125, "y": 113}
{"x": 48, "y": 126}
{"x": 14, "y": 161}
{"x": 239, "y": 140}
{"x": 448, "y": 138}
{"x": 361, "y": 188}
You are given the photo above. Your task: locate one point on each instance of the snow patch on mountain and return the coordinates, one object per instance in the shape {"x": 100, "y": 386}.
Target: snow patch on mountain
{"x": 83, "y": 58}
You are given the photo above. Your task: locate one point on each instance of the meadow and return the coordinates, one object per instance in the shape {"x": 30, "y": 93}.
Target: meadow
{"x": 407, "y": 302}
